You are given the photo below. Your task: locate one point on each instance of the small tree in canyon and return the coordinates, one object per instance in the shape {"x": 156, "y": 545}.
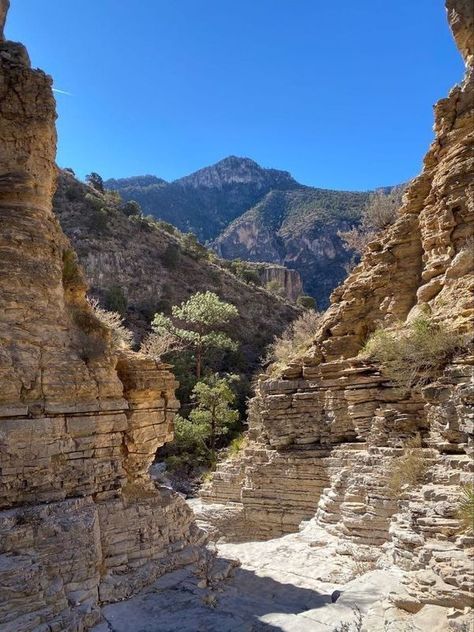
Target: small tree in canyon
{"x": 195, "y": 326}
{"x": 211, "y": 417}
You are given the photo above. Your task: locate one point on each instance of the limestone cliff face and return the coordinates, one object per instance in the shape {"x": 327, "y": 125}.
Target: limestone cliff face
{"x": 288, "y": 280}
{"x": 325, "y": 435}
{"x": 80, "y": 422}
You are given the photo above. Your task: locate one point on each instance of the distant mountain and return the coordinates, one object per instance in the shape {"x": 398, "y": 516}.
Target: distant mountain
{"x": 298, "y": 229}
{"x": 206, "y": 201}
{"x": 246, "y": 211}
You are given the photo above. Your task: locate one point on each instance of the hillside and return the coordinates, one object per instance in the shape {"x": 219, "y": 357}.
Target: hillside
{"x": 298, "y": 229}
{"x": 148, "y": 267}
{"x": 257, "y": 214}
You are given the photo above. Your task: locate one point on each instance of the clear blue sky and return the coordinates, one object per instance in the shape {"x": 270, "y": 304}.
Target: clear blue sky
{"x": 338, "y": 93}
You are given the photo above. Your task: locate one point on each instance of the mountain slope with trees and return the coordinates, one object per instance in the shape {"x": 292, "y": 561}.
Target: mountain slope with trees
{"x": 246, "y": 211}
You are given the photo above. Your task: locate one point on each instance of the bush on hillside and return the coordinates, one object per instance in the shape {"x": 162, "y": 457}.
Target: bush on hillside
{"x": 411, "y": 354}
{"x": 296, "y": 339}
{"x": 170, "y": 257}
{"x": 131, "y": 208}
{"x": 380, "y": 212}
{"x": 306, "y": 302}
{"x": 122, "y": 338}
{"x": 71, "y": 273}
{"x": 409, "y": 469}
{"x": 275, "y": 287}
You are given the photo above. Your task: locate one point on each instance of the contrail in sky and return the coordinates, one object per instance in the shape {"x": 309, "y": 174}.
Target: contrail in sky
{"x": 62, "y": 92}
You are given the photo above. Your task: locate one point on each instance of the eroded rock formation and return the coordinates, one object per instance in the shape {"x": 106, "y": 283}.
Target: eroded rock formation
{"x": 326, "y": 434}
{"x": 80, "y": 520}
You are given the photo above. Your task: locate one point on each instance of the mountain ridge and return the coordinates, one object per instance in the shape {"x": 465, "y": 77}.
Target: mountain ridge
{"x": 246, "y": 211}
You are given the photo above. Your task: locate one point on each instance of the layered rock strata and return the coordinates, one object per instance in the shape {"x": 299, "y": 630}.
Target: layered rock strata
{"x": 331, "y": 429}
{"x": 80, "y": 422}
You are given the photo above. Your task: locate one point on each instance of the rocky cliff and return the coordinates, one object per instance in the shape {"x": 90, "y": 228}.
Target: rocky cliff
{"x": 328, "y": 435}
{"x": 80, "y": 521}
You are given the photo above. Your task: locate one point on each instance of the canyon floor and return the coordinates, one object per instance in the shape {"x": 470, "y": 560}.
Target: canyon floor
{"x": 286, "y": 584}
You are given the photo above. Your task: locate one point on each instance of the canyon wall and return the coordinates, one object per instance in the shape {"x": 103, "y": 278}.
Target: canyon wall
{"x": 327, "y": 435}
{"x": 81, "y": 523}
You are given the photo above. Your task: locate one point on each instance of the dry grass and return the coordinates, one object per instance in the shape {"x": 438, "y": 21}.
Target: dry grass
{"x": 409, "y": 469}
{"x": 410, "y": 355}
{"x": 236, "y": 446}
{"x": 466, "y": 509}
{"x": 157, "y": 345}
{"x": 294, "y": 341}
{"x": 121, "y": 337}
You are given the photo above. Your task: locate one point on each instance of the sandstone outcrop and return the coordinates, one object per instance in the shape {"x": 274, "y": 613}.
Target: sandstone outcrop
{"x": 81, "y": 523}
{"x": 326, "y": 436}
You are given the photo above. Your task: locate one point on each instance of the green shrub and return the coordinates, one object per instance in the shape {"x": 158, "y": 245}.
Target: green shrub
{"x": 131, "y": 208}
{"x": 407, "y": 356}
{"x": 170, "y": 257}
{"x": 74, "y": 193}
{"x": 275, "y": 287}
{"x": 251, "y": 276}
{"x": 94, "y": 202}
{"x": 466, "y": 509}
{"x": 307, "y": 302}
{"x": 115, "y": 300}
{"x": 192, "y": 246}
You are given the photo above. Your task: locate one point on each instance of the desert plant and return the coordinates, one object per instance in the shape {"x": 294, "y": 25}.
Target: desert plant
{"x": 131, "y": 208}
{"x": 170, "y": 257}
{"x": 157, "y": 345}
{"x": 409, "y": 469}
{"x": 355, "y": 625}
{"x": 92, "y": 335}
{"x": 380, "y": 212}
{"x": 275, "y": 287}
{"x": 411, "y": 353}
{"x": 295, "y": 339}
{"x": 466, "y": 508}
{"x": 122, "y": 337}
{"x": 236, "y": 446}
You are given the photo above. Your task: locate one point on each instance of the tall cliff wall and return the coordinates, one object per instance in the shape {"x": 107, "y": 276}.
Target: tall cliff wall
{"x": 327, "y": 434}
{"x": 80, "y": 521}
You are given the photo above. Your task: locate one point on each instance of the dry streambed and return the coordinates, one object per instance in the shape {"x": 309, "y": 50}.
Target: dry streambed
{"x": 302, "y": 582}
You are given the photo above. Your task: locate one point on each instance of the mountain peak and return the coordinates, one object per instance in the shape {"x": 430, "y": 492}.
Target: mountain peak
{"x": 237, "y": 170}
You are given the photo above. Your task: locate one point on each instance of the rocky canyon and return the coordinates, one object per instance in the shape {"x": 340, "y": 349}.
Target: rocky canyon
{"x": 341, "y": 512}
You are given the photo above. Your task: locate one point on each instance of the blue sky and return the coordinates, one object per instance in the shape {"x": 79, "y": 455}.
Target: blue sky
{"x": 338, "y": 93}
